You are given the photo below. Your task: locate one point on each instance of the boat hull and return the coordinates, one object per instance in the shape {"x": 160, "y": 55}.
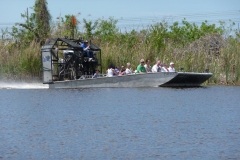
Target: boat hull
{"x": 187, "y": 79}
{"x": 162, "y": 79}
{"x": 136, "y": 80}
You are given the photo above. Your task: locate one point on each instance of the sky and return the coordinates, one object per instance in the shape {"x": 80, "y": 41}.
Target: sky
{"x": 131, "y": 14}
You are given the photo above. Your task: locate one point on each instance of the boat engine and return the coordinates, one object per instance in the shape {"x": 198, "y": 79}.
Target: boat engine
{"x": 68, "y": 61}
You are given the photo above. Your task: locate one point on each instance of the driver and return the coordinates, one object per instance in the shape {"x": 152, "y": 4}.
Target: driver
{"x": 86, "y": 48}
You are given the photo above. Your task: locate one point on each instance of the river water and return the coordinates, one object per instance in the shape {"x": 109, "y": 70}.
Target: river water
{"x": 120, "y": 123}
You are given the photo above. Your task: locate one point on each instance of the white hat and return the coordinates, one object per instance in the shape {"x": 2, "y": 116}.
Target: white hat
{"x": 171, "y": 63}
{"x": 142, "y": 60}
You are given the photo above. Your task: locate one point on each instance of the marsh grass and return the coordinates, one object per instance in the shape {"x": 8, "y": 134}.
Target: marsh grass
{"x": 20, "y": 63}
{"x": 230, "y": 67}
{"x": 221, "y": 56}
{"x": 212, "y": 52}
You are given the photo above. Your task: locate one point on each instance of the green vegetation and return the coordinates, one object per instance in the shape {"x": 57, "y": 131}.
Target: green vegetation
{"x": 192, "y": 47}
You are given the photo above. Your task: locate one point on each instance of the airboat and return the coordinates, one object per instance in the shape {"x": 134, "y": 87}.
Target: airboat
{"x": 65, "y": 65}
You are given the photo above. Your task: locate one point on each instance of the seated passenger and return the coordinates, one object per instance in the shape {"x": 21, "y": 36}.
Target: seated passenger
{"x": 111, "y": 71}
{"x": 128, "y": 69}
{"x": 122, "y": 71}
{"x": 171, "y": 67}
{"x": 86, "y": 49}
{"x": 147, "y": 66}
{"x": 96, "y": 74}
{"x": 164, "y": 68}
{"x": 157, "y": 67}
{"x": 140, "y": 67}
{"x": 116, "y": 71}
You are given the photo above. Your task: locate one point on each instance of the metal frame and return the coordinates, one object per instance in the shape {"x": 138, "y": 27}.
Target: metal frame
{"x": 67, "y": 60}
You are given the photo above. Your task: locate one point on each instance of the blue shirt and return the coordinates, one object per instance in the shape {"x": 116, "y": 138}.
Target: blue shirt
{"x": 83, "y": 46}
{"x": 95, "y": 75}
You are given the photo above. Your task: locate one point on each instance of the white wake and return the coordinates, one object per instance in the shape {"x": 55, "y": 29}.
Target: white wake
{"x": 22, "y": 85}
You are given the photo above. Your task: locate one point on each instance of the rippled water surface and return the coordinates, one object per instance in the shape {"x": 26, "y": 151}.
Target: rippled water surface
{"x": 120, "y": 123}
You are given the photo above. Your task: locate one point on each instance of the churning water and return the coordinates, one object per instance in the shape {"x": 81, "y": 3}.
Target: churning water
{"x": 22, "y": 85}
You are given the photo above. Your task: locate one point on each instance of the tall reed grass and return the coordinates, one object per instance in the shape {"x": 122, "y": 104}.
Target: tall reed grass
{"x": 221, "y": 56}
{"x": 19, "y": 63}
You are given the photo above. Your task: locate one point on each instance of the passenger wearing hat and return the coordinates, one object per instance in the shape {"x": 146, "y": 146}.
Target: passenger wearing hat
{"x": 86, "y": 48}
{"x": 171, "y": 67}
{"x": 140, "y": 67}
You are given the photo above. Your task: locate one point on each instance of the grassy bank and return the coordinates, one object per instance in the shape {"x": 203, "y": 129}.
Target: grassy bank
{"x": 211, "y": 52}
{"x": 24, "y": 63}
{"x": 189, "y": 47}
{"x": 19, "y": 63}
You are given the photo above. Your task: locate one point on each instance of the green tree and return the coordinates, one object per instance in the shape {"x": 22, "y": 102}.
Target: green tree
{"x": 90, "y": 27}
{"x": 42, "y": 19}
{"x": 107, "y": 29}
{"x": 189, "y": 32}
{"x": 158, "y": 36}
{"x": 36, "y": 26}
{"x": 70, "y": 26}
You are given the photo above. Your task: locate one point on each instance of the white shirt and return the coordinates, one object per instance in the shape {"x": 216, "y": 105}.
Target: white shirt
{"x": 171, "y": 69}
{"x": 128, "y": 71}
{"x": 110, "y": 73}
{"x": 156, "y": 68}
{"x": 164, "y": 69}
{"x": 148, "y": 68}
